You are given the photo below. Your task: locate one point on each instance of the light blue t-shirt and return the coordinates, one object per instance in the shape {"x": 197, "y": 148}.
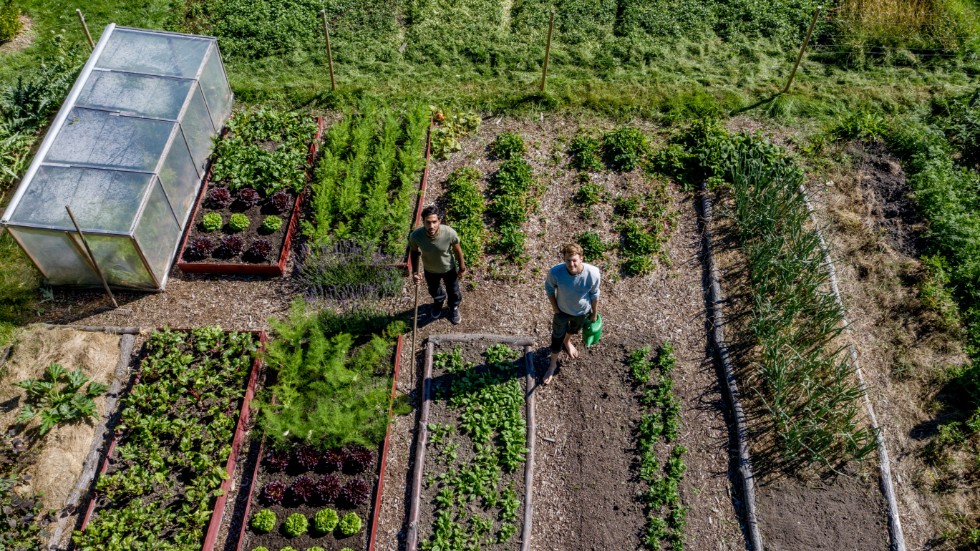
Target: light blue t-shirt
{"x": 573, "y": 293}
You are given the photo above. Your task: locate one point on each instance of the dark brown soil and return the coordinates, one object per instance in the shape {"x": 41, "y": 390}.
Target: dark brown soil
{"x": 435, "y": 462}
{"x": 256, "y": 214}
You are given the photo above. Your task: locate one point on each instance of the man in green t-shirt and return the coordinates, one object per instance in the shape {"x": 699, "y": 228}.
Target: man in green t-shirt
{"x": 442, "y": 261}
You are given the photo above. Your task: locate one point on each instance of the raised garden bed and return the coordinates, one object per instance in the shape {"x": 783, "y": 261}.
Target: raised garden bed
{"x": 474, "y": 455}
{"x": 340, "y": 479}
{"x": 260, "y": 193}
{"x": 166, "y": 474}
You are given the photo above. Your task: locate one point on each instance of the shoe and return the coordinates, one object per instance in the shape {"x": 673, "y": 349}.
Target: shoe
{"x": 455, "y": 318}
{"x": 435, "y": 311}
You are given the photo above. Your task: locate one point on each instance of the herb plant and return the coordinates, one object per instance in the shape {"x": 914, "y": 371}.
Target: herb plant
{"x": 510, "y": 189}
{"x": 57, "y": 398}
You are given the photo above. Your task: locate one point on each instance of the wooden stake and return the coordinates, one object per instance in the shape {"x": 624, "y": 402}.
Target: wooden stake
{"x": 326, "y": 33}
{"x": 91, "y": 257}
{"x": 85, "y": 28}
{"x": 415, "y": 330}
{"x": 806, "y": 40}
{"x": 547, "y": 52}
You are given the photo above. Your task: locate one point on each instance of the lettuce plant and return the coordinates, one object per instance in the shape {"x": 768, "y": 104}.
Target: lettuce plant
{"x": 282, "y": 201}
{"x": 219, "y": 197}
{"x": 328, "y": 488}
{"x": 306, "y": 458}
{"x": 350, "y": 524}
{"x": 357, "y": 459}
{"x": 248, "y": 197}
{"x": 302, "y": 489}
{"x": 238, "y": 222}
{"x": 232, "y": 245}
{"x": 296, "y": 525}
{"x": 354, "y": 494}
{"x": 332, "y": 460}
{"x": 271, "y": 223}
{"x": 276, "y": 460}
{"x": 259, "y": 250}
{"x": 263, "y": 521}
{"x": 212, "y": 221}
{"x": 325, "y": 521}
{"x": 274, "y": 492}
{"x": 201, "y": 247}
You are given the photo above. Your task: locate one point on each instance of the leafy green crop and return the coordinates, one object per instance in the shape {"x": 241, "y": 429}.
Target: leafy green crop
{"x": 586, "y": 153}
{"x": 507, "y": 145}
{"x": 465, "y": 207}
{"x": 446, "y": 136}
{"x": 264, "y": 149}
{"x": 624, "y": 148}
{"x": 510, "y": 189}
{"x": 296, "y": 525}
{"x": 238, "y": 222}
{"x": 350, "y": 524}
{"x": 212, "y": 222}
{"x": 57, "y": 398}
{"x": 271, "y": 223}
{"x": 592, "y": 246}
{"x": 263, "y": 521}
{"x": 325, "y": 521}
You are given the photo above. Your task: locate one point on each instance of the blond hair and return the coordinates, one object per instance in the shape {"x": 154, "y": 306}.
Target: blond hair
{"x": 569, "y": 249}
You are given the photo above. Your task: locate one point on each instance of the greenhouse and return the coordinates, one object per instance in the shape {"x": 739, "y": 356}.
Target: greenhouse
{"x": 126, "y": 154}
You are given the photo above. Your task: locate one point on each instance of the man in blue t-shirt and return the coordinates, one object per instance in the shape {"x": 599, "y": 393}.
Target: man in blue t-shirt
{"x": 573, "y": 290}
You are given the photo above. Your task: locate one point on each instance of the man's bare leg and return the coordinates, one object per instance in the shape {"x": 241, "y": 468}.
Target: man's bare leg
{"x": 569, "y": 347}
{"x": 550, "y": 374}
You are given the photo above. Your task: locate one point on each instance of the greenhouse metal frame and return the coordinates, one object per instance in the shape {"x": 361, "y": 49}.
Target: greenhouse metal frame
{"x": 127, "y": 153}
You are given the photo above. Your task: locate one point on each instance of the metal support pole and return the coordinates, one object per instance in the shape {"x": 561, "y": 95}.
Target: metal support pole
{"x": 85, "y": 28}
{"x": 806, "y": 41}
{"x": 326, "y": 33}
{"x": 547, "y": 51}
{"x": 91, "y": 257}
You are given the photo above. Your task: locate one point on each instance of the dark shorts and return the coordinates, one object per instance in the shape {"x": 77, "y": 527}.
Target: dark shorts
{"x": 563, "y": 324}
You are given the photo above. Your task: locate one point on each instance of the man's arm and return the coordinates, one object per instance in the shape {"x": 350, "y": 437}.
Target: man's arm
{"x": 458, "y": 253}
{"x": 595, "y": 309}
{"x": 414, "y": 255}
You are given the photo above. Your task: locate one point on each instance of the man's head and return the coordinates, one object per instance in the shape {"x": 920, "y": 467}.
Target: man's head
{"x": 431, "y": 219}
{"x": 572, "y": 253}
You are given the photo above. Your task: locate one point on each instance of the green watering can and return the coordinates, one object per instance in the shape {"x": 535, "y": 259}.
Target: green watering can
{"x": 592, "y": 331}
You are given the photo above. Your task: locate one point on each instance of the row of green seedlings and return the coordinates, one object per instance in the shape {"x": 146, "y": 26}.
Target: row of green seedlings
{"x": 325, "y": 521}
{"x": 644, "y": 221}
{"x": 176, "y": 429}
{"x": 473, "y": 507}
{"x": 363, "y": 192}
{"x": 802, "y": 376}
{"x": 510, "y": 199}
{"x": 666, "y": 515}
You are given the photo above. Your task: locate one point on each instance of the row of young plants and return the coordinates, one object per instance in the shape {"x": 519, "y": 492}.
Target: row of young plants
{"x": 259, "y": 167}
{"x": 474, "y": 457}
{"x": 323, "y": 409}
{"x": 173, "y": 442}
{"x": 803, "y": 378}
{"x": 658, "y": 429}
{"x": 644, "y": 220}
{"x": 510, "y": 191}
{"x": 362, "y": 198}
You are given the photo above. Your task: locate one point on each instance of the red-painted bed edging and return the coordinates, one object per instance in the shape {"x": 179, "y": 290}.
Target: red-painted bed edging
{"x": 382, "y": 463}
{"x": 219, "y": 506}
{"x": 226, "y": 268}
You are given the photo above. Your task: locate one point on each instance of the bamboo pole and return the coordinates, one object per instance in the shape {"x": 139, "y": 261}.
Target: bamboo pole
{"x": 85, "y": 28}
{"x": 326, "y": 33}
{"x": 547, "y": 52}
{"x": 806, "y": 41}
{"x": 91, "y": 257}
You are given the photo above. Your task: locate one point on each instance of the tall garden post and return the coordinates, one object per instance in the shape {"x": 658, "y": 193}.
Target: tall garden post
{"x": 326, "y": 33}
{"x": 547, "y": 51}
{"x": 85, "y": 28}
{"x": 806, "y": 41}
{"x": 415, "y": 330}
{"x": 91, "y": 257}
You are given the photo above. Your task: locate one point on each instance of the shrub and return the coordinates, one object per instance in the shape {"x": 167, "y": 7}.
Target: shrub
{"x": 623, "y": 148}
{"x": 212, "y": 221}
{"x": 585, "y": 151}
{"x": 296, "y": 525}
{"x": 350, "y": 524}
{"x": 259, "y": 251}
{"x": 220, "y": 197}
{"x": 354, "y": 494}
{"x": 249, "y": 197}
{"x": 282, "y": 201}
{"x": 592, "y": 245}
{"x": 273, "y": 492}
{"x": 328, "y": 488}
{"x": 263, "y": 521}
{"x": 271, "y": 223}
{"x": 10, "y": 23}
{"x": 200, "y": 248}
{"x": 238, "y": 222}
{"x": 325, "y": 521}
{"x": 507, "y": 145}
{"x": 232, "y": 245}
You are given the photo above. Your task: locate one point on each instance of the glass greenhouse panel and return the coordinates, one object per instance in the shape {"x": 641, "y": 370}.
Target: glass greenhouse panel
{"x": 154, "y": 53}
{"x": 56, "y": 256}
{"x": 149, "y": 96}
{"x": 158, "y": 232}
{"x": 101, "y": 200}
{"x": 216, "y": 89}
{"x": 120, "y": 262}
{"x": 198, "y": 130}
{"x": 98, "y": 138}
{"x": 180, "y": 178}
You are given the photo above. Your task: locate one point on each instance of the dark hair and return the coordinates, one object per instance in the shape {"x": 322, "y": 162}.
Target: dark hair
{"x": 430, "y": 210}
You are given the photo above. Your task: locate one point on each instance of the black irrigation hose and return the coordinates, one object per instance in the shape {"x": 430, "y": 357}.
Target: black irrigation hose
{"x": 717, "y": 333}
{"x": 885, "y": 477}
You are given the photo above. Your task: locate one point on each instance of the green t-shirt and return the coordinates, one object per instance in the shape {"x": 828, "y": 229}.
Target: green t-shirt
{"x": 437, "y": 252}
